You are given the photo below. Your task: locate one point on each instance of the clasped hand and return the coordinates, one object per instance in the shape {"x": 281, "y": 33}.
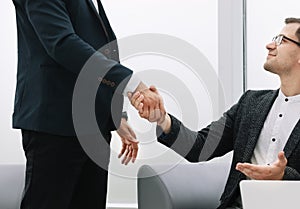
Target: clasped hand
{"x": 149, "y": 104}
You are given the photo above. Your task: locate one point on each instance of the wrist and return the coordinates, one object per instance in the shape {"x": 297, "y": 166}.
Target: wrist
{"x": 165, "y": 124}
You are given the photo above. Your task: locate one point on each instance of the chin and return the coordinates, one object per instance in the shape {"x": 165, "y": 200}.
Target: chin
{"x": 268, "y": 67}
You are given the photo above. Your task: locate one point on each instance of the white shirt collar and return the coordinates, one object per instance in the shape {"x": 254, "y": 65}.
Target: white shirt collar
{"x": 293, "y": 99}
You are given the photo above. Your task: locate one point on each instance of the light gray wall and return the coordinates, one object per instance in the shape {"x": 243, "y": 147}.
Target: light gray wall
{"x": 265, "y": 19}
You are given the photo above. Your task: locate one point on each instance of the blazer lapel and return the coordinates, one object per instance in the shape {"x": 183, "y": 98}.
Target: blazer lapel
{"x": 92, "y": 6}
{"x": 258, "y": 117}
{"x": 292, "y": 141}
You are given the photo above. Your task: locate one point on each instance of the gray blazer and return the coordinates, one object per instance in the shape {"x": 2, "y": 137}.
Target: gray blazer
{"x": 238, "y": 129}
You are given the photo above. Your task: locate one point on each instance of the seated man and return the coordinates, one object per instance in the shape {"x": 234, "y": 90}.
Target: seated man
{"x": 263, "y": 128}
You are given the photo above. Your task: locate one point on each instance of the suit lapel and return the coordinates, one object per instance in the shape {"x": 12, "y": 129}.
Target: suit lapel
{"x": 292, "y": 141}
{"x": 258, "y": 117}
{"x": 92, "y": 6}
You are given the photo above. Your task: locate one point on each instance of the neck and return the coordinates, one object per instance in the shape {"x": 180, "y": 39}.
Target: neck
{"x": 290, "y": 86}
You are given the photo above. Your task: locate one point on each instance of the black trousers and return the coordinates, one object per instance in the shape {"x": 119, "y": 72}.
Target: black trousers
{"x": 59, "y": 174}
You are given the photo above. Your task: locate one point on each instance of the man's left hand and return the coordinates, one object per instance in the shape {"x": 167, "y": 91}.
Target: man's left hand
{"x": 265, "y": 172}
{"x": 129, "y": 143}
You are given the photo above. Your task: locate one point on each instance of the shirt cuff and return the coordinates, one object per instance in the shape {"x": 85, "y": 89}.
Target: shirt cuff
{"x": 132, "y": 84}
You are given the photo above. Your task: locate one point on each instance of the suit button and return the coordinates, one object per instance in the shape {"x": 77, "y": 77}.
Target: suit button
{"x": 104, "y": 81}
{"x": 112, "y": 84}
{"x": 100, "y": 79}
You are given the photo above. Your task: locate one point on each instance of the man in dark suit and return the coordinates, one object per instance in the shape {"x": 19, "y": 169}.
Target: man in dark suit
{"x": 263, "y": 128}
{"x": 56, "y": 38}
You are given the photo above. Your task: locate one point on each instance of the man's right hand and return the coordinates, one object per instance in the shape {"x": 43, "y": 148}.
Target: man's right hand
{"x": 149, "y": 102}
{"x": 158, "y": 114}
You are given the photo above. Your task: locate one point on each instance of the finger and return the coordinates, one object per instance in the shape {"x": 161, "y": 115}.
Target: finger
{"x": 140, "y": 108}
{"x": 128, "y": 159}
{"x": 133, "y": 97}
{"x": 257, "y": 172}
{"x": 243, "y": 166}
{"x": 245, "y": 170}
{"x": 145, "y": 113}
{"x": 122, "y": 150}
{"x": 138, "y": 101}
{"x": 134, "y": 154}
{"x": 125, "y": 154}
{"x": 129, "y": 156}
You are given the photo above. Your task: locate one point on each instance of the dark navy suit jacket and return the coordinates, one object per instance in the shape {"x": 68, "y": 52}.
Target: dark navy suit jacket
{"x": 55, "y": 40}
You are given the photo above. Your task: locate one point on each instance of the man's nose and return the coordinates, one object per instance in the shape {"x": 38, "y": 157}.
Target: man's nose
{"x": 271, "y": 45}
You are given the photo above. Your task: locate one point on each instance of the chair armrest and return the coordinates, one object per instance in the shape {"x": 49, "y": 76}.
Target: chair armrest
{"x": 193, "y": 185}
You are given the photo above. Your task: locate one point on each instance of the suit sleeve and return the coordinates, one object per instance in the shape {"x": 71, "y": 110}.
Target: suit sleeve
{"x": 291, "y": 174}
{"x": 215, "y": 140}
{"x": 52, "y": 24}
{"x": 189, "y": 144}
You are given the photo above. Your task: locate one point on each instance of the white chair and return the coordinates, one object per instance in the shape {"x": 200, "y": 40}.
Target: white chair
{"x": 12, "y": 177}
{"x": 188, "y": 186}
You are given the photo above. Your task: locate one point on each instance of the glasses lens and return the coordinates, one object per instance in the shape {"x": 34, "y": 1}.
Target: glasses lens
{"x": 278, "y": 39}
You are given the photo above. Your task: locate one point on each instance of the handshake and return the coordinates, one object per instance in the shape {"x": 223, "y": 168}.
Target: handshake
{"x": 150, "y": 106}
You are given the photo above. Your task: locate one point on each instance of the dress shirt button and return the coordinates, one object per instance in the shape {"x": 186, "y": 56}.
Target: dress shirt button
{"x": 273, "y": 139}
{"x": 286, "y": 99}
{"x": 280, "y": 115}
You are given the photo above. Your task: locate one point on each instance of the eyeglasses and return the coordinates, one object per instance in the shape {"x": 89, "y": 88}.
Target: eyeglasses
{"x": 278, "y": 39}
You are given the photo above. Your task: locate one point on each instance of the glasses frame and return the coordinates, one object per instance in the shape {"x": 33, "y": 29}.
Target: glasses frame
{"x": 278, "y": 40}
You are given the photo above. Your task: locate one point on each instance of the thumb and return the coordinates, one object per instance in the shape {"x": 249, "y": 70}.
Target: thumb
{"x": 153, "y": 88}
{"x": 281, "y": 157}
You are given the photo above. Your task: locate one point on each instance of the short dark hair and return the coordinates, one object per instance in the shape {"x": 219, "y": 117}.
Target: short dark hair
{"x": 294, "y": 20}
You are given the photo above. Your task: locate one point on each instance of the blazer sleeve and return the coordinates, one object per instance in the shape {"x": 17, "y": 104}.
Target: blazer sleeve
{"x": 189, "y": 144}
{"x": 291, "y": 174}
{"x": 219, "y": 137}
{"x": 53, "y": 26}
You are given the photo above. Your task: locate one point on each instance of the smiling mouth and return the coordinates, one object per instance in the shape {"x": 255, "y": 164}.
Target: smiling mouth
{"x": 270, "y": 55}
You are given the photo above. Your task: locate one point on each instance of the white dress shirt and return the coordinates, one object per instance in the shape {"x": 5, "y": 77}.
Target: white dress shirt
{"x": 277, "y": 128}
{"x": 96, "y": 5}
